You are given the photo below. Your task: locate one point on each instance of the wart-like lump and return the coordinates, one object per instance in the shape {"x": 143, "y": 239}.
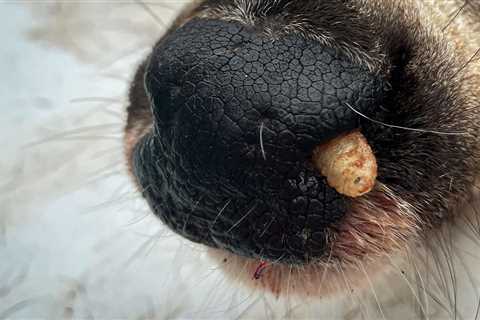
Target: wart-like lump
{"x": 348, "y": 163}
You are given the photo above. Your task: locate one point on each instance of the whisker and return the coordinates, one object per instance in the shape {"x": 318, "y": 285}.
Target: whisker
{"x": 120, "y": 197}
{"x": 213, "y": 293}
{"x": 145, "y": 248}
{"x": 405, "y": 128}
{"x": 477, "y": 312}
{"x": 125, "y": 54}
{"x": 361, "y": 306}
{"x": 267, "y": 227}
{"x": 95, "y": 99}
{"x": 211, "y": 272}
{"x": 410, "y": 286}
{"x": 267, "y": 308}
{"x": 155, "y": 16}
{"x": 466, "y": 270}
{"x": 74, "y": 138}
{"x": 447, "y": 248}
{"x": 220, "y": 213}
{"x": 288, "y": 302}
{"x": 114, "y": 76}
{"x": 243, "y": 314}
{"x": 242, "y": 218}
{"x": 326, "y": 266}
{"x": 233, "y": 304}
{"x": 435, "y": 276}
{"x": 100, "y": 176}
{"x": 237, "y": 305}
{"x": 466, "y": 63}
{"x": 421, "y": 282}
{"x": 373, "y": 289}
{"x": 194, "y": 207}
{"x": 164, "y": 5}
{"x": 23, "y": 304}
{"x": 262, "y": 147}
{"x": 442, "y": 261}
{"x": 75, "y": 133}
{"x": 138, "y": 219}
{"x": 456, "y": 14}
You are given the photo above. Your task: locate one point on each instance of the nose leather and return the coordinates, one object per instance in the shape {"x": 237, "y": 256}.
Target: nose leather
{"x": 237, "y": 115}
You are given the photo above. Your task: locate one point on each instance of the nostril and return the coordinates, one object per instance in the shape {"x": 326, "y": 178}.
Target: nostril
{"x": 237, "y": 116}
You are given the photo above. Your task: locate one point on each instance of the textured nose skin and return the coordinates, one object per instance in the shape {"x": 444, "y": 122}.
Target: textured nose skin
{"x": 237, "y": 115}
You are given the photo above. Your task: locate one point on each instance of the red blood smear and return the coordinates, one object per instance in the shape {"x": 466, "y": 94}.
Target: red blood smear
{"x": 261, "y": 267}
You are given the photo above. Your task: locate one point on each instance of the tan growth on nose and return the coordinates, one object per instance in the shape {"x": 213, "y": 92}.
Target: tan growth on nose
{"x": 348, "y": 163}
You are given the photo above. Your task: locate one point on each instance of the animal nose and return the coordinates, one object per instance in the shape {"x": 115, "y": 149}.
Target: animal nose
{"x": 237, "y": 115}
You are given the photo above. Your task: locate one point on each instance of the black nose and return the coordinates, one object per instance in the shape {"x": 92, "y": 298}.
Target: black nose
{"x": 237, "y": 115}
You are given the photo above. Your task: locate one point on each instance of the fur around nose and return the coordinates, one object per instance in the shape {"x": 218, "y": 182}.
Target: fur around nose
{"x": 237, "y": 115}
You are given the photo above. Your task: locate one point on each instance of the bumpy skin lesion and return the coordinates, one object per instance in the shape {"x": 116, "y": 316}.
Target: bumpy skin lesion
{"x": 227, "y": 109}
{"x": 348, "y": 163}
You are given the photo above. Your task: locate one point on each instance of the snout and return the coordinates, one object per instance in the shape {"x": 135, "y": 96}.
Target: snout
{"x": 237, "y": 115}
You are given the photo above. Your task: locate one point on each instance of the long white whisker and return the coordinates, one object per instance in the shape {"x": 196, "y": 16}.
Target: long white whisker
{"x": 405, "y": 128}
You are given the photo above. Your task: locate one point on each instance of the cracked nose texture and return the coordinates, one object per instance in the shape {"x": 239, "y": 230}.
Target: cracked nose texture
{"x": 237, "y": 115}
